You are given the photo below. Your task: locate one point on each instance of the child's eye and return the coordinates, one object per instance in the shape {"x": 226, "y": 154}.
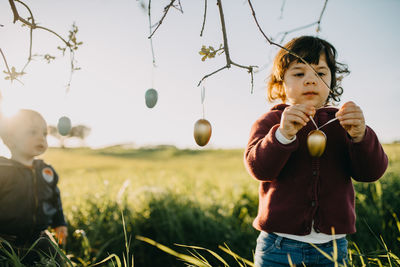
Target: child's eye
{"x": 321, "y": 74}
{"x": 299, "y": 74}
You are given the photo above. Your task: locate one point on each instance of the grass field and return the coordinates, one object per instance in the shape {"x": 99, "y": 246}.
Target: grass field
{"x": 191, "y": 197}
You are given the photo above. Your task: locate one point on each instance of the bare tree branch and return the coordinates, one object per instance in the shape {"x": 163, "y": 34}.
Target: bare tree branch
{"x": 318, "y": 22}
{"x": 212, "y": 73}
{"x": 180, "y": 6}
{"x": 204, "y": 18}
{"x": 32, "y": 26}
{"x": 166, "y": 9}
{"x": 280, "y": 46}
{"x": 224, "y": 35}
{"x": 229, "y": 61}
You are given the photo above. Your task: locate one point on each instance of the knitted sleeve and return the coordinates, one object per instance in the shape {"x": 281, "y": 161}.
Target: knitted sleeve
{"x": 265, "y": 156}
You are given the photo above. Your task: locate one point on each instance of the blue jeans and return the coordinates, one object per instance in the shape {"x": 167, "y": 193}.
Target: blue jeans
{"x": 273, "y": 250}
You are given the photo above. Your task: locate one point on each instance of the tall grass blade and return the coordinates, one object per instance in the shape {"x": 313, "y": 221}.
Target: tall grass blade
{"x": 111, "y": 257}
{"x": 326, "y": 255}
{"x": 361, "y": 256}
{"x": 166, "y": 249}
{"x": 395, "y": 257}
{"x": 290, "y": 261}
{"x": 56, "y": 247}
{"x": 236, "y": 256}
{"x": 198, "y": 256}
{"x": 127, "y": 244}
{"x": 11, "y": 255}
{"x": 208, "y": 250}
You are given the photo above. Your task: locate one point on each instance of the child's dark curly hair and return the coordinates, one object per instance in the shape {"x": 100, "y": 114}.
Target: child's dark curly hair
{"x": 310, "y": 49}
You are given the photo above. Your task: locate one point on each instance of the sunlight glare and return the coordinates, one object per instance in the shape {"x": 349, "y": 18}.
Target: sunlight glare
{"x": 8, "y": 107}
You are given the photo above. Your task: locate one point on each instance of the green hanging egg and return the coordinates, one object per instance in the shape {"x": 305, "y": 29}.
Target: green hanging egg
{"x": 151, "y": 97}
{"x": 64, "y": 125}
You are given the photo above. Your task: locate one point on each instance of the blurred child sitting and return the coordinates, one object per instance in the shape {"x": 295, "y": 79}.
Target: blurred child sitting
{"x": 29, "y": 197}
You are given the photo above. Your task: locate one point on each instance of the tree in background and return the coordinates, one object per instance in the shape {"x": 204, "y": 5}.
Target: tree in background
{"x": 80, "y": 132}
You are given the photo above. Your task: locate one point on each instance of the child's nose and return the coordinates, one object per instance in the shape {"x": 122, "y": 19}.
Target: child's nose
{"x": 310, "y": 80}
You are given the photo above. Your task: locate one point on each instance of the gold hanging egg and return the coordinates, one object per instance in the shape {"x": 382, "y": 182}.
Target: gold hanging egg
{"x": 316, "y": 142}
{"x": 202, "y": 132}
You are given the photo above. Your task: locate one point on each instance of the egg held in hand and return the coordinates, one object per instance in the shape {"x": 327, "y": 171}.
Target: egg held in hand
{"x": 316, "y": 142}
{"x": 202, "y": 132}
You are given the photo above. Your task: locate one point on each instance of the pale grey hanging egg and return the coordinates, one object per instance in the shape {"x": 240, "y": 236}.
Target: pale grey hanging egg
{"x": 151, "y": 97}
{"x": 64, "y": 125}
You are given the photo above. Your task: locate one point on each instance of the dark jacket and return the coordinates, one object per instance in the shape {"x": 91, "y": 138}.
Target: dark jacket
{"x": 29, "y": 199}
{"x": 296, "y": 189}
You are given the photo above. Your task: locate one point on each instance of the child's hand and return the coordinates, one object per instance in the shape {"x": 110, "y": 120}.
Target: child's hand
{"x": 352, "y": 120}
{"x": 61, "y": 234}
{"x": 294, "y": 118}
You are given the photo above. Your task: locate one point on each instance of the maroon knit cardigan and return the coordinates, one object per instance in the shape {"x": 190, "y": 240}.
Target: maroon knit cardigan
{"x": 297, "y": 189}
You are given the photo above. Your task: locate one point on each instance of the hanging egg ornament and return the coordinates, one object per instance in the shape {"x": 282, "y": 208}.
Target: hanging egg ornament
{"x": 316, "y": 142}
{"x": 202, "y": 132}
{"x": 151, "y": 97}
{"x": 64, "y": 126}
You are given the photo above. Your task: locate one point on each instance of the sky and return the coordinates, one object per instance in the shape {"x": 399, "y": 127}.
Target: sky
{"x": 107, "y": 94}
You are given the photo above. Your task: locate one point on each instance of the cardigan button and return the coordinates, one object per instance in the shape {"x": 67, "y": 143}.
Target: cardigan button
{"x": 313, "y": 203}
{"x": 314, "y": 173}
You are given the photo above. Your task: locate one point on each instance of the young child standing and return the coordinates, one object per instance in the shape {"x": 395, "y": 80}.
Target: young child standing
{"x": 29, "y": 197}
{"x": 303, "y": 197}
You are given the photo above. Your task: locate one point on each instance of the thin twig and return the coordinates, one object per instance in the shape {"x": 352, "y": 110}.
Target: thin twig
{"x": 32, "y": 25}
{"x": 151, "y": 39}
{"x": 166, "y": 9}
{"x": 282, "y": 8}
{"x": 229, "y": 61}
{"x": 282, "y": 47}
{"x": 204, "y": 18}
{"x": 180, "y": 6}
{"x": 322, "y": 12}
{"x": 29, "y": 24}
{"x": 284, "y": 34}
{"x": 212, "y": 73}
{"x": 305, "y": 26}
{"x": 5, "y": 61}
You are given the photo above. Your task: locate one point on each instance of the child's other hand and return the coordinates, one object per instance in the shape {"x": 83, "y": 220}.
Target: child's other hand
{"x": 294, "y": 118}
{"x": 352, "y": 120}
{"x": 61, "y": 234}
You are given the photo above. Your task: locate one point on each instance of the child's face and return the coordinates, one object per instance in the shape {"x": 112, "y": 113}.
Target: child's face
{"x": 30, "y": 138}
{"x": 302, "y": 86}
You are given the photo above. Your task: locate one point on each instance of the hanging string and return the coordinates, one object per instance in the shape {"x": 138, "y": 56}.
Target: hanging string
{"x": 316, "y": 126}
{"x": 65, "y": 104}
{"x": 152, "y": 48}
{"x": 203, "y": 96}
